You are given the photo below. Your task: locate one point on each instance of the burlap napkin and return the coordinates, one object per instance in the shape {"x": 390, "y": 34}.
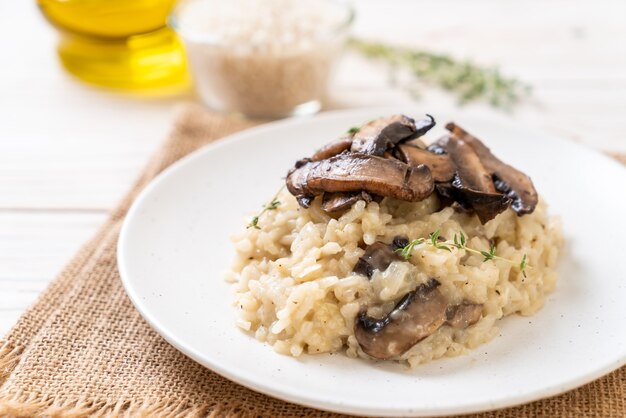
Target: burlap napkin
{"x": 83, "y": 349}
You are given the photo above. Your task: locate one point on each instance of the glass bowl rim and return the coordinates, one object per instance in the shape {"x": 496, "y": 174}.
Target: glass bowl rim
{"x": 173, "y": 22}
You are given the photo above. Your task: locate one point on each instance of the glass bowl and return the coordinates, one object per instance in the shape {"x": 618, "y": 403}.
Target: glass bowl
{"x": 265, "y": 59}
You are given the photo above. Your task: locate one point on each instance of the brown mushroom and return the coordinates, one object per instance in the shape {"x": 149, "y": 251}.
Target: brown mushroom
{"x": 351, "y": 168}
{"x": 374, "y": 137}
{"x": 338, "y": 202}
{"x": 333, "y": 148}
{"x": 464, "y": 314}
{"x": 418, "y": 314}
{"x": 377, "y": 136}
{"x": 472, "y": 187}
{"x": 471, "y": 172}
{"x": 440, "y": 166}
{"x": 515, "y": 184}
{"x": 416, "y": 142}
{"x": 378, "y": 256}
{"x": 423, "y": 125}
{"x": 353, "y": 172}
{"x": 485, "y": 205}
{"x": 439, "y": 146}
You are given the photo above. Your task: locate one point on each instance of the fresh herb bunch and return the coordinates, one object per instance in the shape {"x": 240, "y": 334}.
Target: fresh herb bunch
{"x": 459, "y": 242}
{"x": 275, "y": 203}
{"x": 467, "y": 80}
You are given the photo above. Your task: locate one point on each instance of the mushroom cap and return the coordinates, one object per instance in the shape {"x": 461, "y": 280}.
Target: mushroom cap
{"x": 387, "y": 158}
{"x": 464, "y": 314}
{"x": 441, "y": 166}
{"x": 378, "y": 256}
{"x": 486, "y": 205}
{"x": 339, "y": 202}
{"x": 508, "y": 180}
{"x": 418, "y": 314}
{"x": 376, "y": 136}
{"x": 333, "y": 148}
{"x": 353, "y": 172}
{"x": 471, "y": 173}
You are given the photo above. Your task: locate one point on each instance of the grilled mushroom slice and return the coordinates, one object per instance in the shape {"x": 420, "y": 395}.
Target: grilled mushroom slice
{"x": 439, "y": 146}
{"x": 464, "y": 314}
{"x": 333, "y": 148}
{"x": 377, "y": 256}
{"x": 353, "y": 172}
{"x": 417, "y": 142}
{"x": 421, "y": 127}
{"x": 486, "y": 205}
{"x": 472, "y": 186}
{"x": 418, "y": 314}
{"x": 515, "y": 184}
{"x": 338, "y": 202}
{"x": 377, "y": 136}
{"x": 305, "y": 200}
{"x": 471, "y": 172}
{"x": 440, "y": 166}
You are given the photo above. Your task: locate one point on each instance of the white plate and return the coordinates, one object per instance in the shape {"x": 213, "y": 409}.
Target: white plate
{"x": 174, "y": 248}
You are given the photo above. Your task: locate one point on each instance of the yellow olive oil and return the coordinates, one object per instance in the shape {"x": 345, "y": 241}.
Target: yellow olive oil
{"x": 107, "y": 18}
{"x": 118, "y": 43}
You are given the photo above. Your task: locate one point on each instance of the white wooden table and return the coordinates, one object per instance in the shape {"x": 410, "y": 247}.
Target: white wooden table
{"x": 69, "y": 151}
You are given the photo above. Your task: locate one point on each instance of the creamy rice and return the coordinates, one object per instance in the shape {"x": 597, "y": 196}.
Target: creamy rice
{"x": 296, "y": 291}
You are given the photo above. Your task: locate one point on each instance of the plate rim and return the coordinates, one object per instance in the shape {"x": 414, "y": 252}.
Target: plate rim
{"x": 290, "y": 396}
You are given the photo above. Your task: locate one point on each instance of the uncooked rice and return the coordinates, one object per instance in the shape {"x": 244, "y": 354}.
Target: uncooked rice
{"x": 263, "y": 58}
{"x": 295, "y": 289}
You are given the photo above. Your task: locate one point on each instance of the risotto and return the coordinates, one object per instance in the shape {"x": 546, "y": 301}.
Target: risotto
{"x": 296, "y": 290}
{"x": 297, "y": 287}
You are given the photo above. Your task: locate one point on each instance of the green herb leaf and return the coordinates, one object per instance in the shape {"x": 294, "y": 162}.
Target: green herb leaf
{"x": 459, "y": 242}
{"x": 443, "y": 247}
{"x": 488, "y": 256}
{"x": 254, "y": 223}
{"x": 353, "y": 130}
{"x": 434, "y": 241}
{"x": 273, "y": 205}
{"x": 522, "y": 265}
{"x": 434, "y": 238}
{"x": 407, "y": 250}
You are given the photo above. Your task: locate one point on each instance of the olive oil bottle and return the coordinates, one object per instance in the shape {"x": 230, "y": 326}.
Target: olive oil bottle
{"x": 119, "y": 43}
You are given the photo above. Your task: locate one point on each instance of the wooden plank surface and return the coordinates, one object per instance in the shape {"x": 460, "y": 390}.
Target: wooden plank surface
{"x": 69, "y": 151}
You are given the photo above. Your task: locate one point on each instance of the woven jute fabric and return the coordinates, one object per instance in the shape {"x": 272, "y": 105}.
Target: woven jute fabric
{"x": 83, "y": 350}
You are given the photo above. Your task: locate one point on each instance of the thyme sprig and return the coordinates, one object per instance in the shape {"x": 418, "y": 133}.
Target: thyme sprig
{"x": 459, "y": 242}
{"x": 407, "y": 250}
{"x": 467, "y": 80}
{"x": 272, "y": 205}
